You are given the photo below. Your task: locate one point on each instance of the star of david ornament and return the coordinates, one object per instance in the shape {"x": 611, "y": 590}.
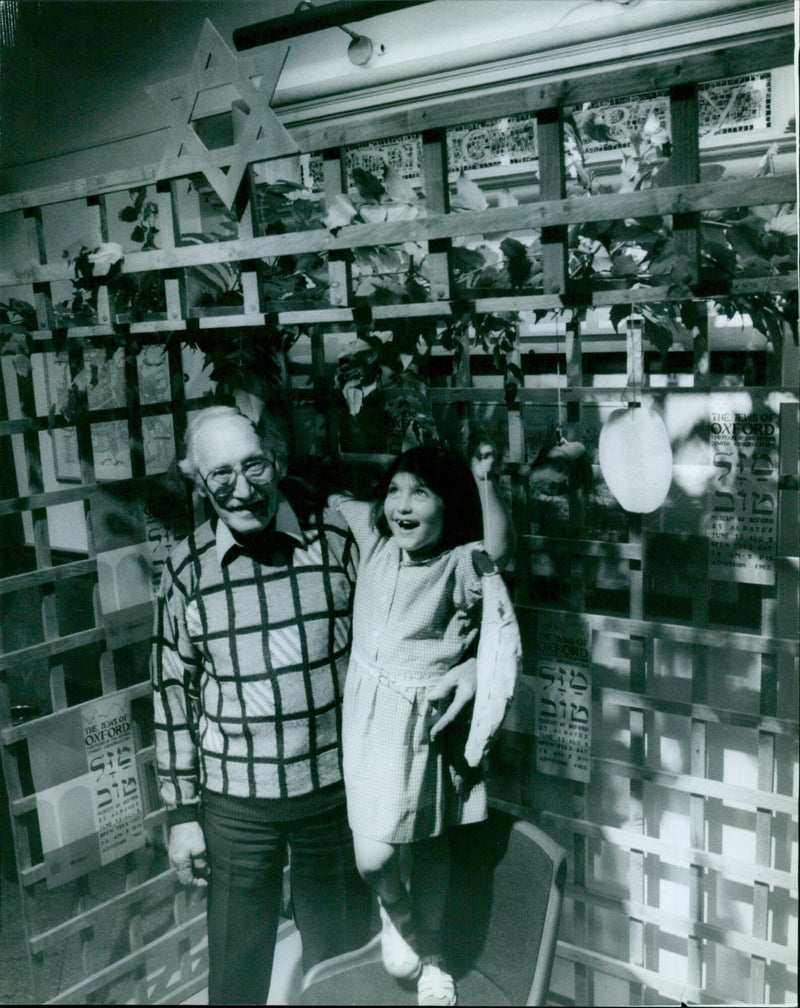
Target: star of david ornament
{"x": 245, "y": 84}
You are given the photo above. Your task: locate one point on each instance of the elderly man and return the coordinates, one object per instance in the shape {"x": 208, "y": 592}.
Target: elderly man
{"x": 250, "y": 654}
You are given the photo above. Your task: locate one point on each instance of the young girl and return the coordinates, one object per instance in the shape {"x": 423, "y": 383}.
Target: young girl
{"x": 416, "y": 615}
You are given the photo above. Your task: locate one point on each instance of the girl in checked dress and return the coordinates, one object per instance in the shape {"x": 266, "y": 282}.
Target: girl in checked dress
{"x": 416, "y": 615}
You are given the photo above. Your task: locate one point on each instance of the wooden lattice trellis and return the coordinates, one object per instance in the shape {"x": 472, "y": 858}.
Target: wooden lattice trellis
{"x": 160, "y": 956}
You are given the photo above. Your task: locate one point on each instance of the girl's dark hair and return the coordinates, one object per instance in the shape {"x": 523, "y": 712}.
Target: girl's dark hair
{"x": 447, "y": 474}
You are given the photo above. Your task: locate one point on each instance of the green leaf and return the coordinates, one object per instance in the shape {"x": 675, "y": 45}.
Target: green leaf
{"x": 617, "y": 313}
{"x": 466, "y": 260}
{"x": 468, "y": 195}
{"x": 369, "y": 186}
{"x": 668, "y": 174}
{"x": 511, "y": 247}
{"x": 624, "y": 265}
{"x": 128, "y": 214}
{"x": 519, "y": 270}
{"x": 723, "y": 257}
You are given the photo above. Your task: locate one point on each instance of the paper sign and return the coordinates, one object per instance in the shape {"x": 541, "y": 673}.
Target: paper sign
{"x": 744, "y": 493}
{"x": 87, "y": 788}
{"x": 563, "y": 697}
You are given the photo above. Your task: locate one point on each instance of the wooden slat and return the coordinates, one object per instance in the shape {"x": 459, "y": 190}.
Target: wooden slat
{"x": 79, "y": 992}
{"x": 183, "y": 992}
{"x": 635, "y": 975}
{"x": 16, "y": 733}
{"x": 684, "y": 633}
{"x": 637, "y": 720}
{"x": 429, "y": 309}
{"x": 596, "y": 394}
{"x": 584, "y": 547}
{"x": 334, "y": 184}
{"x": 129, "y": 626}
{"x": 584, "y": 978}
{"x": 725, "y": 865}
{"x": 676, "y": 924}
{"x": 549, "y": 213}
{"x": 761, "y": 798}
{"x": 31, "y": 579}
{"x": 41, "y": 500}
{"x": 697, "y": 712}
{"x": 653, "y": 71}
{"x": 685, "y": 162}
{"x": 153, "y": 888}
{"x": 433, "y": 176}
{"x": 552, "y": 185}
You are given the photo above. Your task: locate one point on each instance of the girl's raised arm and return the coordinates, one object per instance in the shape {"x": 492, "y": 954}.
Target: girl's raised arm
{"x": 498, "y": 529}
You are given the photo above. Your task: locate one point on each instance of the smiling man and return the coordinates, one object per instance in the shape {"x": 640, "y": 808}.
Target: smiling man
{"x": 251, "y": 646}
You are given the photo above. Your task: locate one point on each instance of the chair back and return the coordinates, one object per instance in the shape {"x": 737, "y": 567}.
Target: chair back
{"x": 507, "y": 883}
{"x": 500, "y": 927}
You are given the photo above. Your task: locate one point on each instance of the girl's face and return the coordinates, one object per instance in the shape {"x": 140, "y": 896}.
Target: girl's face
{"x": 415, "y": 515}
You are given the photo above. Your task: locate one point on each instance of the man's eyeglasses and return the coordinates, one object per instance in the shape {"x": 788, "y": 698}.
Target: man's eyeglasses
{"x": 221, "y": 482}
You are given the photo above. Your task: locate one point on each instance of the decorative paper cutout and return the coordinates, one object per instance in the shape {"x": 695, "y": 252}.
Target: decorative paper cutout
{"x": 215, "y": 67}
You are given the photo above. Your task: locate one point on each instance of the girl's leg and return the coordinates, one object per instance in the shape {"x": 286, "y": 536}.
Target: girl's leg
{"x": 379, "y": 865}
{"x": 430, "y": 879}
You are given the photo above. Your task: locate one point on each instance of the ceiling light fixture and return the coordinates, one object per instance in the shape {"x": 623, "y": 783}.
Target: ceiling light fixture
{"x": 307, "y": 18}
{"x": 361, "y": 48}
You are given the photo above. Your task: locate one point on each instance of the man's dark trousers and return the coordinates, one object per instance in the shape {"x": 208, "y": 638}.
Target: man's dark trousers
{"x": 330, "y": 903}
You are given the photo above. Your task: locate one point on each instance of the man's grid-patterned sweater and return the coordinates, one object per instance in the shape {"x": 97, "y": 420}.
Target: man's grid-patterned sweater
{"x": 248, "y": 667}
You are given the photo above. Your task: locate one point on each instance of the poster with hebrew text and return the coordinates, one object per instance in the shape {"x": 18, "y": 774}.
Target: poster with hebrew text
{"x": 563, "y": 696}
{"x": 744, "y": 493}
{"x": 87, "y": 789}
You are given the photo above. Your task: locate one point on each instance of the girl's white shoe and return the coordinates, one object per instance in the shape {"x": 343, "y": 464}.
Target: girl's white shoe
{"x": 435, "y": 986}
{"x": 399, "y": 958}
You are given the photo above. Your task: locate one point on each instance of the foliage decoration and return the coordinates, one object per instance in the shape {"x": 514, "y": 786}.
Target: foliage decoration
{"x": 143, "y": 214}
{"x": 496, "y": 334}
{"x": 287, "y": 207}
{"x": 642, "y": 253}
{"x": 17, "y": 322}
{"x": 136, "y": 295}
{"x": 248, "y": 365}
{"x": 390, "y": 364}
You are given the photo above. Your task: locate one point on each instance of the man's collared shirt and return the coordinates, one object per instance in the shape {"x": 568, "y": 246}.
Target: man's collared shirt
{"x": 249, "y": 660}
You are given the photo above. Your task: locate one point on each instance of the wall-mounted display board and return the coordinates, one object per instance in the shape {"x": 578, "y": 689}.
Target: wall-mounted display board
{"x": 506, "y": 290}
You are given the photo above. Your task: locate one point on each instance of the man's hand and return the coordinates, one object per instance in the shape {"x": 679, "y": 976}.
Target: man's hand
{"x": 187, "y": 853}
{"x": 462, "y": 679}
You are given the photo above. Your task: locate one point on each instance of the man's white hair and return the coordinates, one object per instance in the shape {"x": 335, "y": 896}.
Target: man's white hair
{"x": 267, "y": 429}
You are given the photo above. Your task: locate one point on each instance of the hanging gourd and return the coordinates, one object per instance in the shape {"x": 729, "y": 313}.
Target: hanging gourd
{"x": 635, "y": 450}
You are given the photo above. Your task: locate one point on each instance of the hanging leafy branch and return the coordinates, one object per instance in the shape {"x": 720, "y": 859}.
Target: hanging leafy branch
{"x": 143, "y": 214}
{"x": 383, "y": 274}
{"x": 248, "y": 364}
{"x": 496, "y": 334}
{"x": 134, "y": 294}
{"x": 390, "y": 365}
{"x": 17, "y": 322}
